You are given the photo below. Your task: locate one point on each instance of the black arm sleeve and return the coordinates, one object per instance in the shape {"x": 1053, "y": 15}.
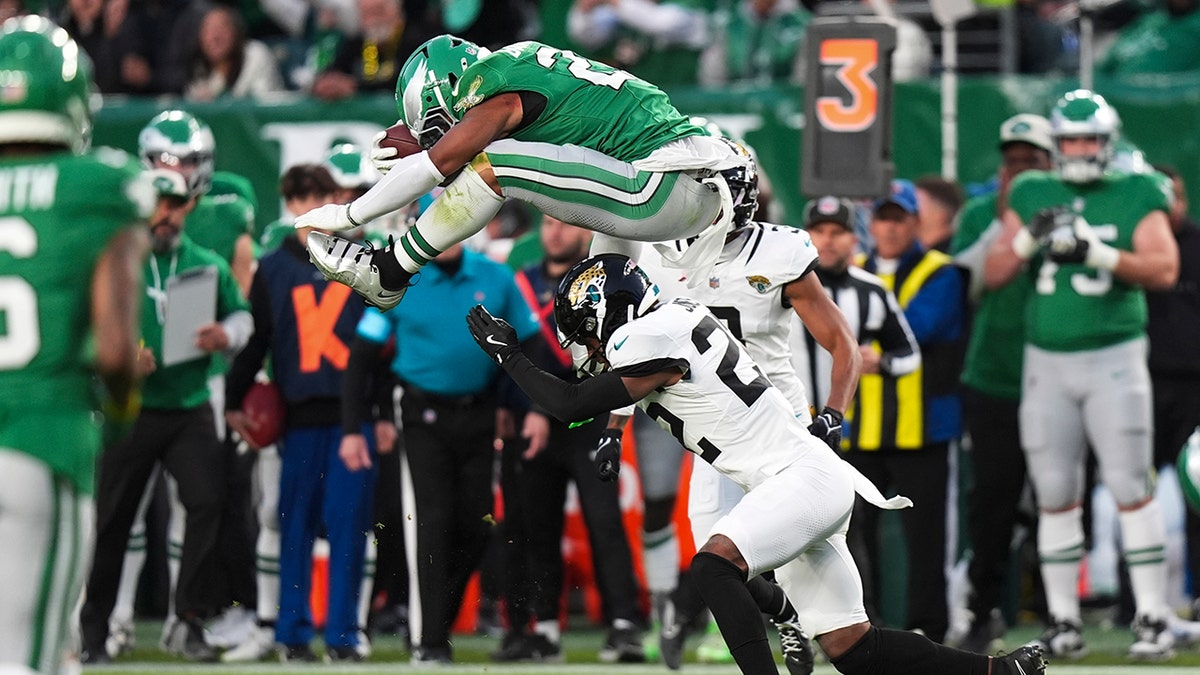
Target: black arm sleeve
{"x": 567, "y": 401}
{"x": 250, "y": 360}
{"x": 356, "y": 392}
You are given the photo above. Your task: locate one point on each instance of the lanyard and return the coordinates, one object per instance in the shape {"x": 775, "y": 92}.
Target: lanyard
{"x": 158, "y": 291}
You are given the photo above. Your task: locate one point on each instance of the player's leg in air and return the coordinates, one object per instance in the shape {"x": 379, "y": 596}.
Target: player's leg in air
{"x": 571, "y": 183}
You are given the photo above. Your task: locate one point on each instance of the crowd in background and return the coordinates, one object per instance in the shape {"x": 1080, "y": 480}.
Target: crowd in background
{"x": 205, "y": 50}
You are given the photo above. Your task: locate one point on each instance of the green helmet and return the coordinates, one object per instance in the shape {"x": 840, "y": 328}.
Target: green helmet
{"x": 45, "y": 85}
{"x": 350, "y": 167}
{"x": 427, "y": 84}
{"x": 179, "y": 141}
{"x": 1084, "y": 113}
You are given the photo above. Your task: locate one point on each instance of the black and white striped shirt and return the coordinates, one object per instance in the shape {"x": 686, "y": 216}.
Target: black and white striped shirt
{"x": 874, "y": 316}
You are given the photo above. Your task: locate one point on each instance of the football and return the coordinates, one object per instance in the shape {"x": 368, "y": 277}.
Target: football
{"x": 400, "y": 139}
{"x": 266, "y": 409}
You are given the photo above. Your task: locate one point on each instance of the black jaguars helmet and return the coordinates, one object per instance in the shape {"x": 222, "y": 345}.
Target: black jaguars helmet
{"x": 597, "y": 296}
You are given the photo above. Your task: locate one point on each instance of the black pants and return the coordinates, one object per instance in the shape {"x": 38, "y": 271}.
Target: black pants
{"x": 185, "y": 441}
{"x": 543, "y": 483}
{"x": 921, "y": 476}
{"x": 448, "y": 448}
{"x": 239, "y": 532}
{"x": 997, "y": 481}
{"x": 391, "y": 567}
{"x": 1176, "y": 415}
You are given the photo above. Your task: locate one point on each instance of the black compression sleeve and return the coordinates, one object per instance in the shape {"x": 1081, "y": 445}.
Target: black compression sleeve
{"x": 356, "y": 391}
{"x": 567, "y": 401}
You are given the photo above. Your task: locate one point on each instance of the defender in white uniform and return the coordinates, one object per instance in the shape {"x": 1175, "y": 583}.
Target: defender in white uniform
{"x": 687, "y": 371}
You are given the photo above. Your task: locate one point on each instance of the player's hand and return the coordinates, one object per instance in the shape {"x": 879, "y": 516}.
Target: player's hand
{"x": 354, "y": 453}
{"x": 328, "y": 218}
{"x": 607, "y": 456}
{"x": 494, "y": 336}
{"x": 827, "y": 426}
{"x": 243, "y": 424}
{"x": 1077, "y": 243}
{"x": 383, "y": 158}
{"x": 1046, "y": 221}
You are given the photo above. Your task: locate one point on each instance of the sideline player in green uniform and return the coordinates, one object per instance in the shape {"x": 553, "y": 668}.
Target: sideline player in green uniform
{"x": 1093, "y": 239}
{"x": 578, "y": 140}
{"x": 70, "y": 273}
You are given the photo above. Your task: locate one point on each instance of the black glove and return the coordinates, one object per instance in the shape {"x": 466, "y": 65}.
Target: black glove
{"x": 1063, "y": 246}
{"x": 828, "y": 427}
{"x": 495, "y": 336}
{"x": 1048, "y": 220}
{"x": 607, "y": 455}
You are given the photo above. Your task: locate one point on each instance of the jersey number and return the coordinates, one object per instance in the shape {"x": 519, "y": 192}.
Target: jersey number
{"x": 748, "y": 392}
{"x": 18, "y": 301}
{"x": 583, "y": 69}
{"x": 1090, "y": 283}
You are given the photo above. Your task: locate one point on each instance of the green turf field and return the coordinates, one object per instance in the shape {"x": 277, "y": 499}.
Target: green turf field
{"x": 1107, "y": 657}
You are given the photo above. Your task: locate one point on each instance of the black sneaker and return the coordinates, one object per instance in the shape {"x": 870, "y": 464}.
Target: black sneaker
{"x": 342, "y": 655}
{"x": 671, "y": 635}
{"x": 94, "y": 657}
{"x": 1027, "y": 660}
{"x": 296, "y": 654}
{"x": 1062, "y": 639}
{"x": 796, "y": 647}
{"x": 623, "y": 644}
{"x": 984, "y": 633}
{"x": 186, "y": 639}
{"x": 528, "y": 647}
{"x": 431, "y": 656}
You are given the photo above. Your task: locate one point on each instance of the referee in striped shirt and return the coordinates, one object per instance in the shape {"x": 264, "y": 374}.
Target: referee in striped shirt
{"x": 870, "y": 308}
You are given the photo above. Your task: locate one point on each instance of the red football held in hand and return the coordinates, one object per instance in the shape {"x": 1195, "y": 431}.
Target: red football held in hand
{"x": 267, "y": 411}
{"x": 399, "y": 138}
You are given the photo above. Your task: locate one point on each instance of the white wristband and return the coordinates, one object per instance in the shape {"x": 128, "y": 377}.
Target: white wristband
{"x": 1024, "y": 245}
{"x": 1102, "y": 256}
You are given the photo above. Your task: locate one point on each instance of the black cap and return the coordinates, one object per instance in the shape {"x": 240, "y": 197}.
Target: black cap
{"x": 829, "y": 209}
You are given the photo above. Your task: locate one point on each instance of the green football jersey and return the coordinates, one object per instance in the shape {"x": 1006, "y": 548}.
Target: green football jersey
{"x": 1075, "y": 307}
{"x": 587, "y": 103}
{"x": 182, "y": 385}
{"x": 996, "y": 351}
{"x": 218, "y": 220}
{"x": 57, "y": 214}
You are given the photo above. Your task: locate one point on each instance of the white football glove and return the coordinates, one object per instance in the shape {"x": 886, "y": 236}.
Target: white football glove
{"x": 383, "y": 158}
{"x": 330, "y": 218}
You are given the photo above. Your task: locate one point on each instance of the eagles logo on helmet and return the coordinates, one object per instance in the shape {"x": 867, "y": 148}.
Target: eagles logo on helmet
{"x": 428, "y": 83}
{"x": 1078, "y": 114}
{"x": 178, "y": 141}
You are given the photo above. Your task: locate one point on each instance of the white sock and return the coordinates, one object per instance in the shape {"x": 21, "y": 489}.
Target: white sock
{"x": 368, "y": 582}
{"x": 660, "y": 553}
{"x": 550, "y": 630}
{"x": 1060, "y": 548}
{"x": 1144, "y": 539}
{"x": 267, "y": 579}
{"x": 135, "y": 558}
{"x": 463, "y": 208}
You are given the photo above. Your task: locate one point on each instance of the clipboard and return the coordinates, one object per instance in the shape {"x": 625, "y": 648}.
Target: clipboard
{"x": 191, "y": 303}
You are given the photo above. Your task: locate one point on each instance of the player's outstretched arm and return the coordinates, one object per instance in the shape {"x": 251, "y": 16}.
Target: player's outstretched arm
{"x": 566, "y": 401}
{"x": 829, "y": 327}
{"x": 116, "y": 310}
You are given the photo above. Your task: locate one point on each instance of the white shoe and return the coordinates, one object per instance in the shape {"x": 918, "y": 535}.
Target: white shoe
{"x": 120, "y": 639}
{"x": 352, "y": 264}
{"x": 1187, "y": 633}
{"x": 364, "y": 645}
{"x": 231, "y": 628}
{"x": 1063, "y": 639}
{"x": 259, "y": 644}
{"x": 1152, "y": 640}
